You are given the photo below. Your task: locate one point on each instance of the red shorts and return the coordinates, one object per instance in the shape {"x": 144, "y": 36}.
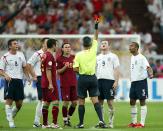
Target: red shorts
{"x": 49, "y": 95}
{"x": 69, "y": 93}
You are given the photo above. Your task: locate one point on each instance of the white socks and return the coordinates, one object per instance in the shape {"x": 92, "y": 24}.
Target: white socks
{"x": 8, "y": 110}
{"x": 143, "y": 113}
{"x": 38, "y": 112}
{"x": 134, "y": 114}
{"x": 111, "y": 116}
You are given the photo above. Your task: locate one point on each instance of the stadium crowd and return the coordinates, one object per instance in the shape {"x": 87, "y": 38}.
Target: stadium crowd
{"x": 76, "y": 17}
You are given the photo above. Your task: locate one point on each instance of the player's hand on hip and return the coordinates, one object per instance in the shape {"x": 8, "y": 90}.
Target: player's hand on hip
{"x": 151, "y": 76}
{"x": 115, "y": 85}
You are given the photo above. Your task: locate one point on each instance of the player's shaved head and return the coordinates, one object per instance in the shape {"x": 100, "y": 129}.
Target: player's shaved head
{"x": 136, "y": 44}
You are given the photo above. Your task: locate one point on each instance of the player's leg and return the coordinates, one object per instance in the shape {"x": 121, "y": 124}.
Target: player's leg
{"x": 65, "y": 98}
{"x": 101, "y": 101}
{"x": 133, "y": 113}
{"x": 8, "y": 110}
{"x": 73, "y": 99}
{"x": 54, "y": 97}
{"x": 111, "y": 112}
{"x": 143, "y": 112}
{"x": 71, "y": 110}
{"x": 17, "y": 107}
{"x": 81, "y": 112}
{"x": 9, "y": 96}
{"x": 94, "y": 93}
{"x": 55, "y": 112}
{"x": 101, "y": 96}
{"x": 65, "y": 112}
{"x": 38, "y": 110}
{"x": 133, "y": 106}
{"x": 45, "y": 107}
{"x": 45, "y": 114}
{"x": 109, "y": 94}
{"x": 82, "y": 94}
{"x": 143, "y": 95}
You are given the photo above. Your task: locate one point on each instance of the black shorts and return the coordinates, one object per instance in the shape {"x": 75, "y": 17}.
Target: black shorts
{"x": 39, "y": 89}
{"x": 87, "y": 83}
{"x": 139, "y": 90}
{"x": 106, "y": 89}
{"x": 14, "y": 89}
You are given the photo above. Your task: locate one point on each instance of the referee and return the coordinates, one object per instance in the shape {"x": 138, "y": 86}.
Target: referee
{"x": 85, "y": 64}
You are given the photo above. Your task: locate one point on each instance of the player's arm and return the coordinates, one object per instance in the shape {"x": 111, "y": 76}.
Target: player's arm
{"x": 31, "y": 71}
{"x": 76, "y": 69}
{"x": 150, "y": 72}
{"x": 62, "y": 70}
{"x": 26, "y": 72}
{"x": 6, "y": 76}
{"x": 76, "y": 64}
{"x": 2, "y": 68}
{"x": 49, "y": 77}
{"x": 30, "y": 64}
{"x": 116, "y": 76}
{"x": 96, "y": 29}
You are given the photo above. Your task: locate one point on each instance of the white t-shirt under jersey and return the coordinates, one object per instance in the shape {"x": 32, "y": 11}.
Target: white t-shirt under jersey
{"x": 138, "y": 67}
{"x": 13, "y": 64}
{"x": 35, "y": 61}
{"x": 106, "y": 63}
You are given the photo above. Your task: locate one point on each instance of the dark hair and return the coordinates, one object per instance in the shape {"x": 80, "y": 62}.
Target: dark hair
{"x": 10, "y": 42}
{"x": 51, "y": 42}
{"x": 87, "y": 41}
{"x": 136, "y": 44}
{"x": 64, "y": 43}
{"x": 158, "y": 61}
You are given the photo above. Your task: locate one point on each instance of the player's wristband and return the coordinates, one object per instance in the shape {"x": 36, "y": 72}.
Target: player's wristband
{"x": 96, "y": 26}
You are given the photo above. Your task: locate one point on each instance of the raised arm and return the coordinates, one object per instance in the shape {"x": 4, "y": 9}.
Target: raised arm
{"x": 97, "y": 20}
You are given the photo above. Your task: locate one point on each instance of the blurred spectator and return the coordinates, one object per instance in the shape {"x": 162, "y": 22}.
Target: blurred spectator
{"x": 20, "y": 25}
{"x": 159, "y": 69}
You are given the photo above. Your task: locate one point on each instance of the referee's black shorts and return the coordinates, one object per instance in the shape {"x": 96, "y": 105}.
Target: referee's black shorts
{"x": 87, "y": 83}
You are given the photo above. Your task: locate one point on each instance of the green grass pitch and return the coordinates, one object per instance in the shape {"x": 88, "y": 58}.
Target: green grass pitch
{"x": 25, "y": 117}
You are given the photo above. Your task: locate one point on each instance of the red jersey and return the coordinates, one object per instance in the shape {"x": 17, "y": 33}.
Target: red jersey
{"x": 48, "y": 62}
{"x": 68, "y": 78}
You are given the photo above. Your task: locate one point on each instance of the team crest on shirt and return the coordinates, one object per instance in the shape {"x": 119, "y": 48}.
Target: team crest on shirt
{"x": 50, "y": 63}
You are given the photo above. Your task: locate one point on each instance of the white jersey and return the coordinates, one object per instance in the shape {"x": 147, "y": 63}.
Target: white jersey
{"x": 35, "y": 61}
{"x": 106, "y": 65}
{"x": 138, "y": 67}
{"x": 13, "y": 64}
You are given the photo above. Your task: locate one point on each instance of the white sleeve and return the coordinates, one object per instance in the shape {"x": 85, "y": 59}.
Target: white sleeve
{"x": 116, "y": 62}
{"x": 145, "y": 63}
{"x": 2, "y": 63}
{"x": 24, "y": 60}
{"x": 33, "y": 59}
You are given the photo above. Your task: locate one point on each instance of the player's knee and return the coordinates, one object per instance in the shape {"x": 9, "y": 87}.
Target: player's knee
{"x": 74, "y": 104}
{"x": 65, "y": 103}
{"x": 132, "y": 102}
{"x": 142, "y": 103}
